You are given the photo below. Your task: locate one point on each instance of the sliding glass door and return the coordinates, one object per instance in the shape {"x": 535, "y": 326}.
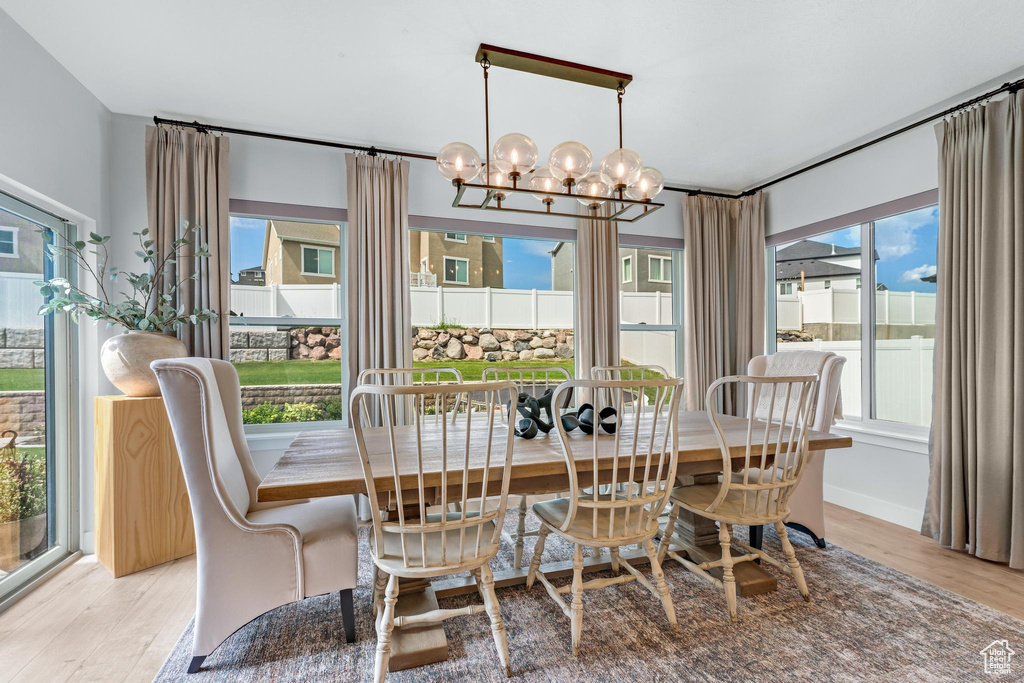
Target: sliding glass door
{"x": 36, "y": 430}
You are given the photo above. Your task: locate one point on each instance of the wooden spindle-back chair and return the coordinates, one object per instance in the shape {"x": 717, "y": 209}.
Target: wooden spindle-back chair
{"x": 642, "y": 456}
{"x": 775, "y": 457}
{"x": 629, "y": 372}
{"x": 533, "y": 380}
{"x": 415, "y": 377}
{"x": 431, "y": 463}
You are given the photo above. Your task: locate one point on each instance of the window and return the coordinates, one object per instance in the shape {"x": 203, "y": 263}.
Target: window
{"x": 455, "y": 236}
{"x": 287, "y": 336}
{"x": 9, "y": 242}
{"x": 627, "y": 269}
{"x": 495, "y": 304}
{"x": 785, "y": 288}
{"x": 488, "y": 238}
{"x": 456, "y": 270}
{"x": 317, "y": 261}
{"x": 651, "y": 311}
{"x": 875, "y": 305}
{"x": 36, "y": 400}
{"x": 659, "y": 269}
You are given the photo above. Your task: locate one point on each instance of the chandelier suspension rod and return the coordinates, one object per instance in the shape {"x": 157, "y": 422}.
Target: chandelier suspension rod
{"x": 487, "y": 122}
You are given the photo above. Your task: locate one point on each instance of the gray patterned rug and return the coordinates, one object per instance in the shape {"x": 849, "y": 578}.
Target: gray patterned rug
{"x": 865, "y": 622}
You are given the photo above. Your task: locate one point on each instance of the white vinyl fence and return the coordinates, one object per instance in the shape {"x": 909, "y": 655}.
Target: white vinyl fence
{"x": 903, "y": 376}
{"x": 295, "y": 301}
{"x": 19, "y": 300}
{"x": 793, "y": 311}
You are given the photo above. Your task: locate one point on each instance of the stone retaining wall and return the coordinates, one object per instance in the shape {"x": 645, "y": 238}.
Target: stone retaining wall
{"x": 491, "y": 345}
{"x": 25, "y": 413}
{"x": 22, "y": 347}
{"x": 314, "y": 343}
{"x": 280, "y": 394}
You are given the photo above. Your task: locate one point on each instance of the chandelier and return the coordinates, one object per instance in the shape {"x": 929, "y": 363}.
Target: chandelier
{"x": 510, "y": 167}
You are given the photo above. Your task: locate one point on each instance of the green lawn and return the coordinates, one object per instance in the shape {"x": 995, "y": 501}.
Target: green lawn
{"x": 19, "y": 379}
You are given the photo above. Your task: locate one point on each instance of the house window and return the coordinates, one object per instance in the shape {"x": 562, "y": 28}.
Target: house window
{"x": 627, "y": 269}
{"x": 659, "y": 268}
{"x": 9, "y": 242}
{"x": 828, "y": 284}
{"x": 317, "y": 261}
{"x": 651, "y": 318}
{"x": 785, "y": 288}
{"x": 455, "y": 236}
{"x": 488, "y": 238}
{"x": 858, "y": 283}
{"x": 456, "y": 270}
{"x": 287, "y": 337}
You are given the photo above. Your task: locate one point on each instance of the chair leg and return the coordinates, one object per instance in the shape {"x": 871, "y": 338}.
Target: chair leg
{"x": 385, "y": 623}
{"x": 666, "y": 536}
{"x": 576, "y": 607}
{"x": 494, "y": 612}
{"x": 661, "y": 585}
{"x": 517, "y": 561}
{"x": 615, "y": 559}
{"x": 195, "y": 663}
{"x": 728, "y": 579}
{"x": 348, "y": 615}
{"x": 538, "y": 550}
{"x": 794, "y": 566}
{"x": 820, "y": 542}
{"x": 380, "y": 582}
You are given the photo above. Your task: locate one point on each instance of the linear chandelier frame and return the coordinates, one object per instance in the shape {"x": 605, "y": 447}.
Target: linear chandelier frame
{"x": 627, "y": 211}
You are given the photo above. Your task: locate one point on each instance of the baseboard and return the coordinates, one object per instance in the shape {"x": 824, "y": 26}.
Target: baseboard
{"x": 876, "y": 507}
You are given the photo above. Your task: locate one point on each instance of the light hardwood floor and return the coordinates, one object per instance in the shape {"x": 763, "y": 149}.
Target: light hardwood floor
{"x": 82, "y": 624}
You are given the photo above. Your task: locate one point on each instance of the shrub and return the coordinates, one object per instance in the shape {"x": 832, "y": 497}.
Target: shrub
{"x": 10, "y": 503}
{"x": 22, "y": 486}
{"x": 333, "y": 409}
{"x": 264, "y": 413}
{"x": 302, "y": 412}
{"x": 445, "y": 324}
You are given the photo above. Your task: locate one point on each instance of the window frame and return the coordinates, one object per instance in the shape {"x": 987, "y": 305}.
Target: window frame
{"x": 455, "y": 237}
{"x": 318, "y": 248}
{"x": 14, "y": 241}
{"x": 622, "y": 270}
{"x": 444, "y": 270}
{"x": 661, "y": 259}
{"x": 867, "y": 422}
{"x": 488, "y": 238}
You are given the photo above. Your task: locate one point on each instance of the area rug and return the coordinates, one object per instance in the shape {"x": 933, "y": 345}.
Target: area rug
{"x": 865, "y": 621}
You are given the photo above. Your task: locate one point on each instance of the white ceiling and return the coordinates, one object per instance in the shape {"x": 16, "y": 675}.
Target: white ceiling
{"x": 725, "y": 93}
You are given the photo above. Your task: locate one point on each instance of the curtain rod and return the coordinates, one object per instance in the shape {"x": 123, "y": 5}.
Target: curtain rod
{"x": 359, "y": 148}
{"x": 1010, "y": 87}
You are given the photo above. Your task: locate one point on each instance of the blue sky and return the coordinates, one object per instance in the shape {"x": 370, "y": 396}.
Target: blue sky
{"x": 906, "y": 246}
{"x": 246, "y": 243}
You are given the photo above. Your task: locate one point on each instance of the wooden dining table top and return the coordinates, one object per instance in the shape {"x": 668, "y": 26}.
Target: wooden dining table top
{"x": 327, "y": 463}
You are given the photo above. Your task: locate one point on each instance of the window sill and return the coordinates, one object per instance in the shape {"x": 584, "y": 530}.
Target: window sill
{"x": 911, "y": 438}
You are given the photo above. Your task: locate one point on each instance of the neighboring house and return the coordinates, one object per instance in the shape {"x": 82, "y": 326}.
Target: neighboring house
{"x": 645, "y": 270}
{"x": 301, "y": 253}
{"x": 563, "y": 264}
{"x": 808, "y": 265}
{"x": 21, "y": 249}
{"x": 453, "y": 259}
{"x": 252, "y": 276}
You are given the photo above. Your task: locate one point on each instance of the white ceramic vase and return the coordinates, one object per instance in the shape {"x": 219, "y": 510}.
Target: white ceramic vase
{"x": 126, "y": 358}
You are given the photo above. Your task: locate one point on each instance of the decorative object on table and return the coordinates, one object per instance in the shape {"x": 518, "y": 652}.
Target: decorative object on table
{"x": 147, "y": 313}
{"x": 510, "y": 168}
{"x": 583, "y": 418}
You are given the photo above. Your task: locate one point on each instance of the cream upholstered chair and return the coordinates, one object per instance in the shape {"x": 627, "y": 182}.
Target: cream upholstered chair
{"x": 414, "y": 542}
{"x": 761, "y": 495}
{"x": 533, "y": 380}
{"x": 645, "y": 446}
{"x": 251, "y": 556}
{"x": 807, "y": 504}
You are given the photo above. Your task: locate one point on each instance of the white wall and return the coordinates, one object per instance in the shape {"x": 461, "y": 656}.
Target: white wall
{"x": 55, "y": 151}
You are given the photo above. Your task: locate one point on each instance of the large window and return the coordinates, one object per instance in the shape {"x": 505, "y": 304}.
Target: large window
{"x": 882, "y": 273}
{"x": 36, "y": 515}
{"x": 288, "y": 319}
{"x": 491, "y": 300}
{"x": 650, "y": 306}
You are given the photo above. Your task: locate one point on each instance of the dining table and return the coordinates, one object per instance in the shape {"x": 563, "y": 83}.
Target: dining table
{"x": 326, "y": 462}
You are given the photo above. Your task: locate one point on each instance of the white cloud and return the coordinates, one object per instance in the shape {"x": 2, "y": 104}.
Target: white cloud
{"x": 896, "y": 236}
{"x": 537, "y": 247}
{"x": 915, "y": 274}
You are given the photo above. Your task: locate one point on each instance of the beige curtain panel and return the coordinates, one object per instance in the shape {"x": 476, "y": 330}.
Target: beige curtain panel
{"x": 976, "y": 492}
{"x": 187, "y": 185}
{"x": 379, "y": 312}
{"x": 724, "y": 292}
{"x": 597, "y": 292}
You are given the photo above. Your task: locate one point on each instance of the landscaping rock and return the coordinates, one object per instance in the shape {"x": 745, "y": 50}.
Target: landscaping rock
{"x": 454, "y": 350}
{"x": 335, "y": 353}
{"x": 314, "y": 330}
{"x": 239, "y": 340}
{"x": 24, "y": 338}
{"x": 474, "y": 352}
{"x": 277, "y": 354}
{"x": 300, "y": 351}
{"x": 507, "y": 346}
{"x": 315, "y": 339}
{"x": 526, "y": 355}
{"x": 268, "y": 339}
{"x": 468, "y": 339}
{"x": 548, "y": 342}
{"x": 560, "y": 336}
{"x": 420, "y": 354}
{"x": 318, "y": 353}
{"x": 563, "y": 351}
{"x": 333, "y": 342}
{"x": 424, "y": 333}
{"x": 489, "y": 343}
{"x": 521, "y": 346}
{"x": 493, "y": 357}
{"x": 16, "y": 358}
{"x": 543, "y": 353}
{"x": 509, "y": 355}
{"x": 443, "y": 338}
{"x": 501, "y": 335}
{"x": 523, "y": 335}
{"x": 536, "y": 342}
{"x": 426, "y": 344}
{"x": 437, "y": 353}
{"x": 39, "y": 357}
{"x": 247, "y": 355}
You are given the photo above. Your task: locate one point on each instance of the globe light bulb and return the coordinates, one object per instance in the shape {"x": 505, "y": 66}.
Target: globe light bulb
{"x": 517, "y": 151}
{"x": 647, "y": 186}
{"x": 542, "y": 180}
{"x": 596, "y": 186}
{"x": 496, "y": 175}
{"x": 569, "y": 161}
{"x": 458, "y": 162}
{"x": 622, "y": 166}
